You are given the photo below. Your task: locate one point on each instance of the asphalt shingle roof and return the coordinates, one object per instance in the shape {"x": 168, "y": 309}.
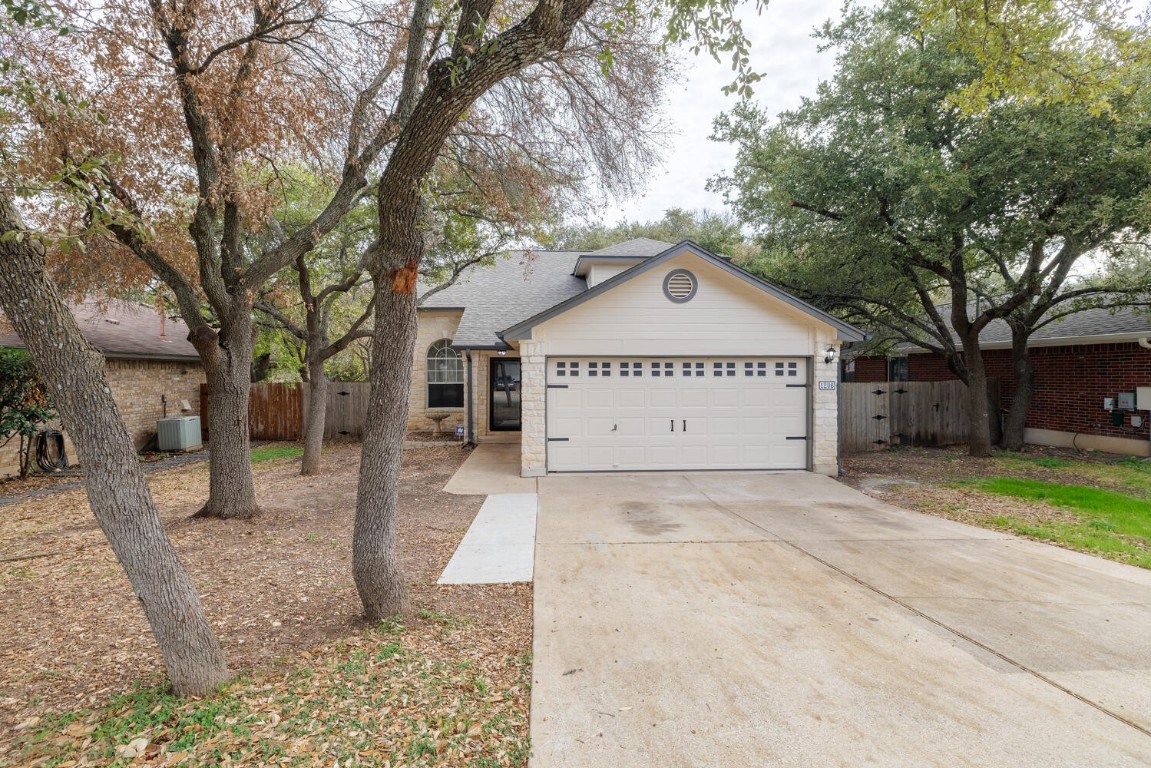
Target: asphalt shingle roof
{"x": 122, "y": 329}
{"x": 640, "y": 246}
{"x": 519, "y": 285}
{"x": 1086, "y": 324}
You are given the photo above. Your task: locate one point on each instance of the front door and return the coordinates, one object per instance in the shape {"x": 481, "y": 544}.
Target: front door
{"x": 504, "y": 389}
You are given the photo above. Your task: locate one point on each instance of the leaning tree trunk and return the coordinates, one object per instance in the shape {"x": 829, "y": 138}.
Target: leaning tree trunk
{"x": 117, "y": 492}
{"x": 979, "y": 439}
{"x": 227, "y": 359}
{"x": 317, "y": 411}
{"x": 374, "y": 563}
{"x": 1016, "y": 423}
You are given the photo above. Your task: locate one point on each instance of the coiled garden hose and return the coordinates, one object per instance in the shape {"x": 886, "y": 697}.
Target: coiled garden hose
{"x": 50, "y": 453}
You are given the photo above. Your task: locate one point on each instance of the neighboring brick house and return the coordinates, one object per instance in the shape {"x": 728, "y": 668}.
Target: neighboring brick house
{"x": 148, "y": 359}
{"x": 1078, "y": 362}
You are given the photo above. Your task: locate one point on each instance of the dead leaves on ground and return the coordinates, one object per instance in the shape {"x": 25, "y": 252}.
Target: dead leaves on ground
{"x": 370, "y": 699}
{"x": 279, "y": 592}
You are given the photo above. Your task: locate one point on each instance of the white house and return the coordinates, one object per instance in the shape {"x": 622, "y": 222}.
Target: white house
{"x": 639, "y": 356}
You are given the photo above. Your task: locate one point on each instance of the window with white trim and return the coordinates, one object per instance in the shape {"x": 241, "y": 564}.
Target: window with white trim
{"x": 445, "y": 376}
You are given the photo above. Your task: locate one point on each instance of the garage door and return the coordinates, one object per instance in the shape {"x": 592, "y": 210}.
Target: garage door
{"x": 659, "y": 413}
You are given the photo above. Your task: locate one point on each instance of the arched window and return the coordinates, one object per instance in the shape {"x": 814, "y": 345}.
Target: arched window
{"x": 445, "y": 376}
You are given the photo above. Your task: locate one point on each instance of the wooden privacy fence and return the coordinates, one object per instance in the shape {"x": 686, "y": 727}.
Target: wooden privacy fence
{"x": 347, "y": 409}
{"x": 931, "y": 413}
{"x": 276, "y": 411}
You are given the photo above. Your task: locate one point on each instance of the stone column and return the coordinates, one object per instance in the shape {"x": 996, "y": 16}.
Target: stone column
{"x": 825, "y": 416}
{"x": 533, "y": 399}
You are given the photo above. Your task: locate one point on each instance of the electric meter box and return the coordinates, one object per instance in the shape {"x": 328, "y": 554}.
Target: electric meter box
{"x": 1126, "y": 401}
{"x": 1143, "y": 398}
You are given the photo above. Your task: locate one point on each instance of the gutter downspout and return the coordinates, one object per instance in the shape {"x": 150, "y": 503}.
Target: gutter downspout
{"x": 1145, "y": 342}
{"x": 471, "y": 437}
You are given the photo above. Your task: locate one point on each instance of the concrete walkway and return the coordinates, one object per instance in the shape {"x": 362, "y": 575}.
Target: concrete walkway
{"x": 752, "y": 619}
{"x": 499, "y": 547}
{"x": 492, "y": 468}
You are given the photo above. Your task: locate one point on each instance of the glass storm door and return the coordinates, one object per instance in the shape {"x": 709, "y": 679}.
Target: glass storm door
{"x": 504, "y": 394}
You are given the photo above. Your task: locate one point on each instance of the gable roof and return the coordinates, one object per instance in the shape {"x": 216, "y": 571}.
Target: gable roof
{"x": 522, "y": 330}
{"x": 125, "y": 330}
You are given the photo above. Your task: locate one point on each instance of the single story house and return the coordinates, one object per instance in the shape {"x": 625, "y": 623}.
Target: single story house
{"x": 640, "y": 356}
{"x": 152, "y": 367}
{"x": 1082, "y": 363}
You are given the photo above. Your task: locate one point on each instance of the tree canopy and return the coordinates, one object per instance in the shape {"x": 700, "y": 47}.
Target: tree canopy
{"x": 881, "y": 199}
{"x": 717, "y": 232}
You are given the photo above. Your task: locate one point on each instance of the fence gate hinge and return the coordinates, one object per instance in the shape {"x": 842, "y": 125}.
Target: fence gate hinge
{"x": 879, "y": 417}
{"x": 880, "y": 392}
{"x": 879, "y": 442}
{"x": 901, "y": 391}
{"x": 343, "y": 394}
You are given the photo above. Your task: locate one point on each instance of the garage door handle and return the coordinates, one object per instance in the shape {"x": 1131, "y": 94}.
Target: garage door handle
{"x": 685, "y": 425}
{"x": 673, "y": 425}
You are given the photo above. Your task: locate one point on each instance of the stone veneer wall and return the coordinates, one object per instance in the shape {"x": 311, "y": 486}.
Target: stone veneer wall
{"x": 137, "y": 386}
{"x": 433, "y": 326}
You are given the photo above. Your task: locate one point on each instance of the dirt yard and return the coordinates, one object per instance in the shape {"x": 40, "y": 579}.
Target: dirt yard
{"x": 273, "y": 587}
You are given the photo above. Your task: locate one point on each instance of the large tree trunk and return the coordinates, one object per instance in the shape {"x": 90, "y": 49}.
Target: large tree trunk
{"x": 374, "y": 563}
{"x": 227, "y": 359}
{"x": 979, "y": 441}
{"x": 317, "y": 410}
{"x": 1016, "y": 422}
{"x": 117, "y": 492}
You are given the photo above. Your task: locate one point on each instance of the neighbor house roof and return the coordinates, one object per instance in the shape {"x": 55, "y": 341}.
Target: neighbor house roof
{"x": 125, "y": 330}
{"x": 1088, "y": 326}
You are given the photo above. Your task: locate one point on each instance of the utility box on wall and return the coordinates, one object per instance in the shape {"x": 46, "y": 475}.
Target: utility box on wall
{"x": 1126, "y": 401}
{"x": 1143, "y": 398}
{"x": 178, "y": 433}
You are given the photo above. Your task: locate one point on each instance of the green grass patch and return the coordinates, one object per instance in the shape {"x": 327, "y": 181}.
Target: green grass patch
{"x": 365, "y": 700}
{"x": 1100, "y": 521}
{"x": 273, "y": 452}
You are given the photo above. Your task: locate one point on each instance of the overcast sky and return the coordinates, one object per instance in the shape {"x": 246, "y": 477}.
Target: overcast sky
{"x": 784, "y": 52}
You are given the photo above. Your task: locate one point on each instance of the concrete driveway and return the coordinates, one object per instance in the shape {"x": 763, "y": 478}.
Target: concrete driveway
{"x": 754, "y": 619}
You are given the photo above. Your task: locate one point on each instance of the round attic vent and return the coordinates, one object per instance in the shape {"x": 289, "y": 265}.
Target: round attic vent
{"x": 679, "y": 285}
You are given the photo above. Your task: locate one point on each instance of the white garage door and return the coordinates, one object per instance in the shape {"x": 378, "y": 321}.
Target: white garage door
{"x": 658, "y": 413}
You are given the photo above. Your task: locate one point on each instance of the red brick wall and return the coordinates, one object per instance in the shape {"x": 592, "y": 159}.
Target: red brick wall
{"x": 870, "y": 369}
{"x": 1070, "y": 383}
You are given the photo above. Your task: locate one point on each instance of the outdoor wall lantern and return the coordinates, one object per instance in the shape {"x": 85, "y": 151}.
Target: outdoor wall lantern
{"x": 829, "y": 355}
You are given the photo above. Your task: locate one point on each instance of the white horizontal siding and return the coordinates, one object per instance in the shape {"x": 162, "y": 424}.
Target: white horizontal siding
{"x": 725, "y": 317}
{"x": 600, "y": 272}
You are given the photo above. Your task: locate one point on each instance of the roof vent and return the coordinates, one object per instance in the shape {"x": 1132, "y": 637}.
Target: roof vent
{"x": 679, "y": 285}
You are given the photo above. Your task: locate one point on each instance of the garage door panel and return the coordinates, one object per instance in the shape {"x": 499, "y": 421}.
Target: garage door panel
{"x": 691, "y": 416}
{"x": 725, "y": 397}
{"x": 600, "y": 426}
{"x": 631, "y": 397}
{"x": 693, "y": 397}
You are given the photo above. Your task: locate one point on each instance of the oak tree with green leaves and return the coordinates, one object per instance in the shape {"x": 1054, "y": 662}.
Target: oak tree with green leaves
{"x": 881, "y": 199}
